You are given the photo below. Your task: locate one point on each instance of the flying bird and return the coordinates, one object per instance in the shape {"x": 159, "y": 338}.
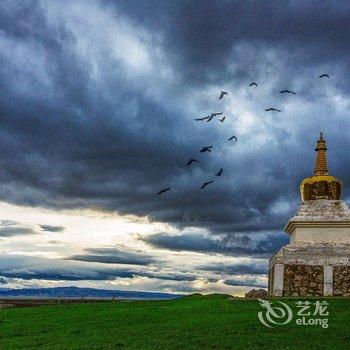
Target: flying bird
{"x": 253, "y": 84}
{"x": 192, "y": 161}
{"x": 222, "y": 119}
{"x": 324, "y": 76}
{"x": 201, "y": 119}
{"x": 287, "y": 92}
{"x": 163, "y": 191}
{"x": 233, "y": 138}
{"x": 212, "y": 115}
{"x": 271, "y": 109}
{"x": 206, "y": 149}
{"x": 210, "y": 118}
{"x": 205, "y": 184}
{"x": 222, "y": 93}
{"x": 219, "y": 173}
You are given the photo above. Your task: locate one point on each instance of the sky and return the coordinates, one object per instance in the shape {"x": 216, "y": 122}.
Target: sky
{"x": 97, "y": 108}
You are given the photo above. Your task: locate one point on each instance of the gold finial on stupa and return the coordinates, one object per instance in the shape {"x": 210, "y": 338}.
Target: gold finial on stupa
{"x": 321, "y": 159}
{"x": 321, "y": 185}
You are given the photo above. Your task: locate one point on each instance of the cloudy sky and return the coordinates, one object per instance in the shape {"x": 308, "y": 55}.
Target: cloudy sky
{"x": 97, "y": 101}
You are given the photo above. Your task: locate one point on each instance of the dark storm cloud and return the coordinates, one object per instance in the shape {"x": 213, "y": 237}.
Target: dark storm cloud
{"x": 98, "y": 99}
{"x": 29, "y": 268}
{"x": 203, "y": 35}
{"x": 237, "y": 245}
{"x": 251, "y": 282}
{"x": 114, "y": 256}
{"x": 51, "y": 228}
{"x": 10, "y": 228}
{"x": 247, "y": 268}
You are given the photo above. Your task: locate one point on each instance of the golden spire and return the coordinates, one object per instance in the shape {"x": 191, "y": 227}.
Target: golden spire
{"x": 321, "y": 185}
{"x": 321, "y": 159}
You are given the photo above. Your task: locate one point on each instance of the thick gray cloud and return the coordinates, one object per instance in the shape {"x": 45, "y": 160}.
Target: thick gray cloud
{"x": 51, "y": 228}
{"x": 203, "y": 36}
{"x": 28, "y": 268}
{"x": 251, "y": 282}
{"x": 9, "y": 228}
{"x": 237, "y": 245}
{"x": 114, "y": 256}
{"x": 31, "y": 268}
{"x": 252, "y": 268}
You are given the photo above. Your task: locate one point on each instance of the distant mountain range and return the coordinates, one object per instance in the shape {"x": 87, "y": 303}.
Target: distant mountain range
{"x": 75, "y": 292}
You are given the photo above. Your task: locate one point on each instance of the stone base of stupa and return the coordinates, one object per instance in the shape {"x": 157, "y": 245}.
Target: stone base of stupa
{"x": 317, "y": 260}
{"x": 310, "y": 269}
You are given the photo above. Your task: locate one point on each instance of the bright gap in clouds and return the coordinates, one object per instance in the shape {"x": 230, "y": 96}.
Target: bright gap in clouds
{"x": 99, "y": 249}
{"x": 80, "y": 228}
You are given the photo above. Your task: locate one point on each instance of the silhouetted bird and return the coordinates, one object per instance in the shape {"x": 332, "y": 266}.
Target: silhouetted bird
{"x": 222, "y": 93}
{"x": 324, "y": 76}
{"x": 206, "y": 149}
{"x": 271, "y": 109}
{"x": 233, "y": 138}
{"x": 210, "y": 118}
{"x": 219, "y": 173}
{"x": 201, "y": 119}
{"x": 287, "y": 92}
{"x": 205, "y": 184}
{"x": 253, "y": 84}
{"x": 192, "y": 161}
{"x": 163, "y": 191}
{"x": 212, "y": 115}
{"x": 222, "y": 119}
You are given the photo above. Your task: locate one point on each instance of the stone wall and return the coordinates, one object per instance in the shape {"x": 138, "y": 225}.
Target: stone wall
{"x": 271, "y": 279}
{"x": 303, "y": 280}
{"x": 341, "y": 281}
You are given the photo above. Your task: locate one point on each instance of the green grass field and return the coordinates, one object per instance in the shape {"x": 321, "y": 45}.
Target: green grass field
{"x": 195, "y": 322}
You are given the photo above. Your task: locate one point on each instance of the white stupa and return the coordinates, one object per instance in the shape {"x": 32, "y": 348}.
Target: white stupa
{"x": 317, "y": 259}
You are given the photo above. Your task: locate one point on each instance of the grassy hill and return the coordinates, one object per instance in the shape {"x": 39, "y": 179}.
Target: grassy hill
{"x": 194, "y": 322}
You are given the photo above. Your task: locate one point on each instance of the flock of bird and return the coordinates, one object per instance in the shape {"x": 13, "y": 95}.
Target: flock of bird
{"x": 211, "y": 116}
{"x": 208, "y": 149}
